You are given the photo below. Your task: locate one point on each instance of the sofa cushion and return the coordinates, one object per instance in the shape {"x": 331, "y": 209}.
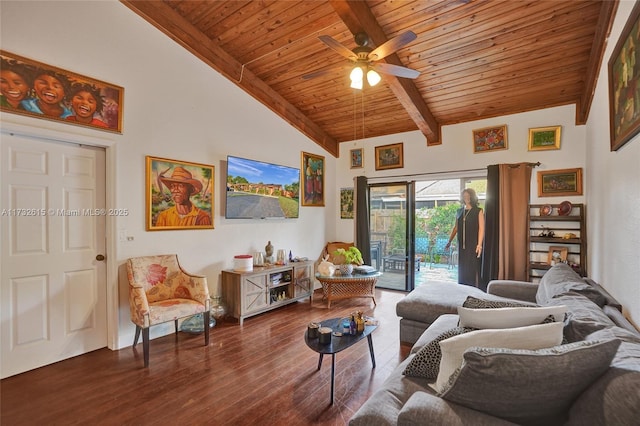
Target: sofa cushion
{"x": 613, "y": 399}
{"x": 477, "y": 303}
{"x": 426, "y": 363}
{"x": 426, "y": 409}
{"x": 427, "y": 302}
{"x": 383, "y": 406}
{"x": 440, "y": 325}
{"x": 494, "y": 380}
{"x": 561, "y": 279}
{"x": 508, "y": 317}
{"x": 519, "y": 290}
{"x": 531, "y": 337}
{"x": 583, "y": 316}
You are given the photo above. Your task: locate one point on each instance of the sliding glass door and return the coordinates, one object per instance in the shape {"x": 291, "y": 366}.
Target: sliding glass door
{"x": 410, "y": 224}
{"x": 391, "y": 208}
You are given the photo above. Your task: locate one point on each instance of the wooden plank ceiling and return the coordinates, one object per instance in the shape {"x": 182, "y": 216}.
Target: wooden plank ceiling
{"x": 477, "y": 58}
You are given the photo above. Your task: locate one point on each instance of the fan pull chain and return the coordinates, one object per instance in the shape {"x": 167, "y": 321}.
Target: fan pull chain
{"x": 362, "y": 107}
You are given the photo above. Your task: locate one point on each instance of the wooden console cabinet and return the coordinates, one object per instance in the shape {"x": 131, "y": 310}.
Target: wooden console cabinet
{"x": 265, "y": 288}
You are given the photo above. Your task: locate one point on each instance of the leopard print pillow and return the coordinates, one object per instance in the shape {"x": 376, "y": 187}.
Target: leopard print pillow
{"x": 426, "y": 363}
{"x": 475, "y": 303}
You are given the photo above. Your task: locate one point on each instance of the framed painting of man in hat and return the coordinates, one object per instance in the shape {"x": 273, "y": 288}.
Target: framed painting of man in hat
{"x": 179, "y": 195}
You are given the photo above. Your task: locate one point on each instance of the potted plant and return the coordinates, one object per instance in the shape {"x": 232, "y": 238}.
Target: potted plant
{"x": 351, "y": 256}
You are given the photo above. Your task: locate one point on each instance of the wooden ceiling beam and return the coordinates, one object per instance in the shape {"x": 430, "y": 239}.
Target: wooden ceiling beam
{"x": 358, "y": 18}
{"x": 603, "y": 28}
{"x": 164, "y": 18}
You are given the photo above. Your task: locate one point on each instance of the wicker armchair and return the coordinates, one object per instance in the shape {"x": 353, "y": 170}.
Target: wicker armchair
{"x": 161, "y": 291}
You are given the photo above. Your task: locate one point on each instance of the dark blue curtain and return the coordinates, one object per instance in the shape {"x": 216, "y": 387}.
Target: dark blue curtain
{"x": 362, "y": 219}
{"x": 492, "y": 228}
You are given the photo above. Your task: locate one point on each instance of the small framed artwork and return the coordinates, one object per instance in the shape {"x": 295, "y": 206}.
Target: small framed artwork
{"x": 389, "y": 156}
{"x": 46, "y": 92}
{"x": 557, "y": 254}
{"x": 544, "y": 138}
{"x": 490, "y": 139}
{"x": 346, "y": 203}
{"x": 312, "y": 170}
{"x": 560, "y": 182}
{"x": 179, "y": 195}
{"x": 624, "y": 91}
{"x": 357, "y": 158}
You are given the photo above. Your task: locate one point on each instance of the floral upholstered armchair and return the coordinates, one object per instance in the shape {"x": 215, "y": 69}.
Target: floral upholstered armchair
{"x": 161, "y": 291}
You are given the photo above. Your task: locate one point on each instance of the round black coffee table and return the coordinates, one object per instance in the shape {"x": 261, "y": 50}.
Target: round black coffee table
{"x": 339, "y": 343}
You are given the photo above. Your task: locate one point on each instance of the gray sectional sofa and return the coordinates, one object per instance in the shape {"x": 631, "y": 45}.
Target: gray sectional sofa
{"x": 612, "y": 398}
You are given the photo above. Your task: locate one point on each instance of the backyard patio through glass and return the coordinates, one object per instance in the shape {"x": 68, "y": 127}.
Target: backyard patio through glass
{"x": 427, "y": 273}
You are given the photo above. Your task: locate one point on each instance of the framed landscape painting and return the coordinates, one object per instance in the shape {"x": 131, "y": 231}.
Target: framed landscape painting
{"x": 389, "y": 156}
{"x": 560, "y": 182}
{"x": 38, "y": 90}
{"x": 490, "y": 139}
{"x": 312, "y": 171}
{"x": 544, "y": 138}
{"x": 624, "y": 90}
{"x": 179, "y": 195}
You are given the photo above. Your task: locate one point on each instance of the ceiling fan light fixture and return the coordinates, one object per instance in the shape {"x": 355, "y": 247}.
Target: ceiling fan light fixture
{"x": 356, "y": 77}
{"x": 373, "y": 78}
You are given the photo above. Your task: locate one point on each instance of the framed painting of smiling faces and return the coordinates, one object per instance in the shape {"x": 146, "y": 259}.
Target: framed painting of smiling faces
{"x": 179, "y": 195}
{"x": 31, "y": 88}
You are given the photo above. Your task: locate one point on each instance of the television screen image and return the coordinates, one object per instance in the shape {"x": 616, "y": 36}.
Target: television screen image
{"x": 259, "y": 190}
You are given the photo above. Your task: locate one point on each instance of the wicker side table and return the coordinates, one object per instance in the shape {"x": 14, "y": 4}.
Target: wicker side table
{"x": 347, "y": 286}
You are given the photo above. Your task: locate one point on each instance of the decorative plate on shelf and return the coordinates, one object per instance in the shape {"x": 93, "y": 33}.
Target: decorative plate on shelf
{"x": 545, "y": 210}
{"x": 564, "y": 208}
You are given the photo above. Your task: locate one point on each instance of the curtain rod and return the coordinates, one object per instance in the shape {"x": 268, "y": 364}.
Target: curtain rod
{"x": 428, "y": 174}
{"x": 513, "y": 166}
{"x": 446, "y": 172}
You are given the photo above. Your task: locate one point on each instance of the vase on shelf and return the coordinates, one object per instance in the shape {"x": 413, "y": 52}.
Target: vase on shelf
{"x": 218, "y": 308}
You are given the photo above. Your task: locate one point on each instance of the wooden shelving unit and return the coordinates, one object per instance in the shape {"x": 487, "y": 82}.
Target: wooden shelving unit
{"x": 574, "y": 223}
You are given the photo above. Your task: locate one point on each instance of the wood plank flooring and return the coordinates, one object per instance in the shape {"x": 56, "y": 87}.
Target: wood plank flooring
{"x": 261, "y": 373}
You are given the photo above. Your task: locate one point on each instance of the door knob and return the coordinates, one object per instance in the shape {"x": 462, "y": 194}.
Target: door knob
{"x": 100, "y": 257}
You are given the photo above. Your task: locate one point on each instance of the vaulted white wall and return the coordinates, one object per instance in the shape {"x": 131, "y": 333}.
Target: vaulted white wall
{"x": 456, "y": 152}
{"x": 175, "y": 107}
{"x": 614, "y": 195}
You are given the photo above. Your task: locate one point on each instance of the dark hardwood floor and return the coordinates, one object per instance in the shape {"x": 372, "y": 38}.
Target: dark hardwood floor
{"x": 259, "y": 374}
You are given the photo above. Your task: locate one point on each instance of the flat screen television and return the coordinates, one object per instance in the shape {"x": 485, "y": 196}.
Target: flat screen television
{"x": 259, "y": 190}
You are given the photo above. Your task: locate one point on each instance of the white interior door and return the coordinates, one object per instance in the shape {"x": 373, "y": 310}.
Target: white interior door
{"x": 53, "y": 290}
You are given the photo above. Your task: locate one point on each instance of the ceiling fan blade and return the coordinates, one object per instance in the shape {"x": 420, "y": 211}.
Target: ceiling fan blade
{"x": 338, "y": 47}
{"x": 396, "y": 70}
{"x": 391, "y": 46}
{"x": 325, "y": 71}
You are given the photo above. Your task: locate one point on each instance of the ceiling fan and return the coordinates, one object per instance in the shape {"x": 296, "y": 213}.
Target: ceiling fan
{"x": 364, "y": 58}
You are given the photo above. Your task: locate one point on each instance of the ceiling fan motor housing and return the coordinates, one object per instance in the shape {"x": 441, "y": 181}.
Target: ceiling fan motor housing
{"x": 361, "y": 39}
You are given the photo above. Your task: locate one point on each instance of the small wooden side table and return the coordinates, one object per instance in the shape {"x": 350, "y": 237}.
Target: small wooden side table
{"x": 348, "y": 286}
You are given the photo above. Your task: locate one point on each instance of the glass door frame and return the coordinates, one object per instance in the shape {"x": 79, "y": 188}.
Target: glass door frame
{"x": 409, "y": 246}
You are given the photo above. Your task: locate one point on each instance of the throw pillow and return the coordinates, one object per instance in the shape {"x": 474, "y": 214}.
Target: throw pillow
{"x": 529, "y": 386}
{"x": 583, "y": 316}
{"x": 475, "y": 303}
{"x": 426, "y": 362}
{"x": 561, "y": 279}
{"x": 531, "y": 337}
{"x": 508, "y": 317}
